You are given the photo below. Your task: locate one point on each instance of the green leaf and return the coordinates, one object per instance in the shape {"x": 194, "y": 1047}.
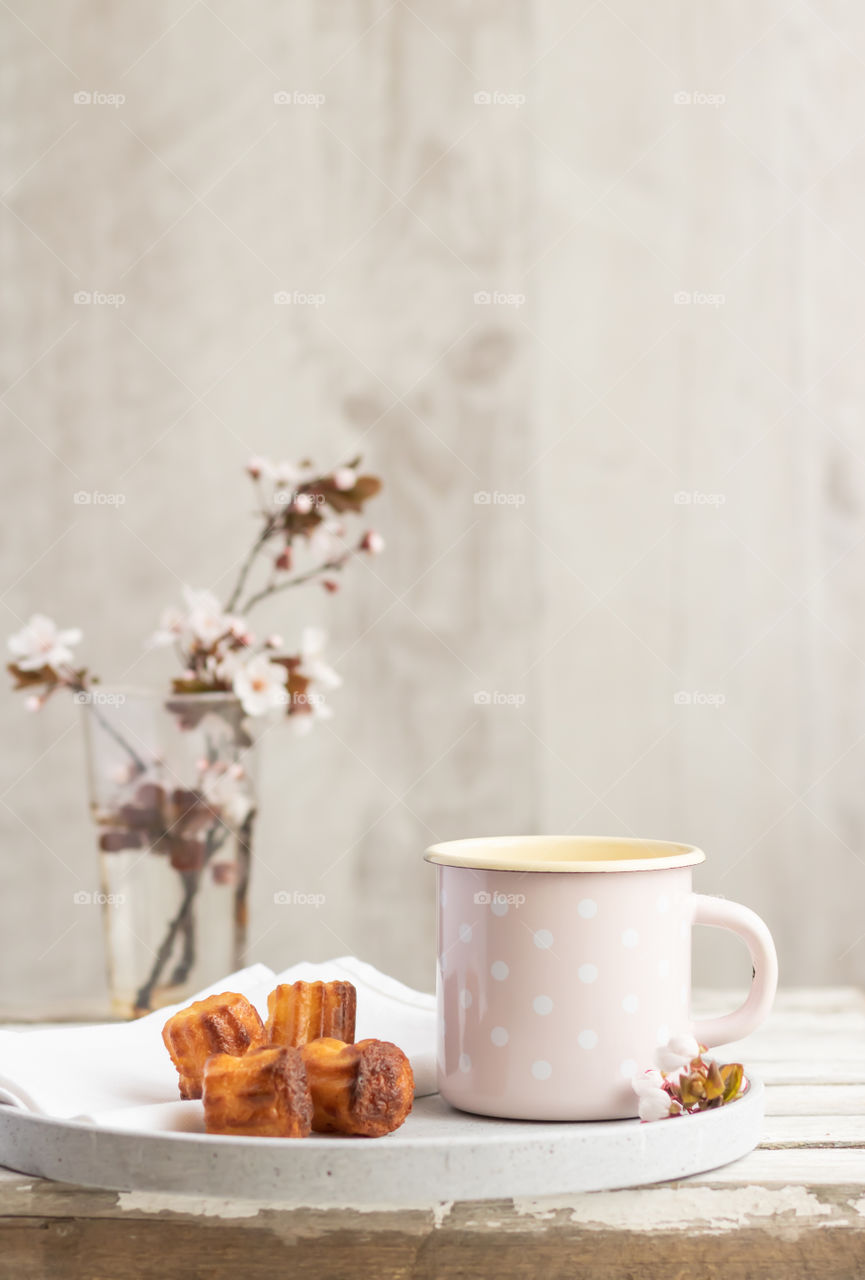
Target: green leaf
{"x": 732, "y": 1074}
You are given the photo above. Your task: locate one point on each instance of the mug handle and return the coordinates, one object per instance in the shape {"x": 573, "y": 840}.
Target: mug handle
{"x": 723, "y": 914}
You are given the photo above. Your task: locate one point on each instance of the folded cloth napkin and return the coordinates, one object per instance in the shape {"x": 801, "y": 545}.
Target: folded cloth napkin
{"x": 81, "y": 1072}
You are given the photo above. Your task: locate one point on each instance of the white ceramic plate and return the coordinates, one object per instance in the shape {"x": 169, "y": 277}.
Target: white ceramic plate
{"x": 439, "y": 1154}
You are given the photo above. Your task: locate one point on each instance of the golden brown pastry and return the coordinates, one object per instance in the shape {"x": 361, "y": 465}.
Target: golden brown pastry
{"x": 225, "y": 1023}
{"x": 363, "y": 1089}
{"x": 298, "y": 1012}
{"x": 263, "y": 1094}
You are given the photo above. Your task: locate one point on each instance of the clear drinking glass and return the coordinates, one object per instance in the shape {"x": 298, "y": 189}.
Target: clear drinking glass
{"x": 172, "y": 793}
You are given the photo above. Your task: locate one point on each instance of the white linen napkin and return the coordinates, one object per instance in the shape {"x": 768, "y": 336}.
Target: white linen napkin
{"x": 82, "y": 1072}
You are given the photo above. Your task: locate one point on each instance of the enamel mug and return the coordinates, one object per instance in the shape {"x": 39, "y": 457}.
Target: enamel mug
{"x": 564, "y": 963}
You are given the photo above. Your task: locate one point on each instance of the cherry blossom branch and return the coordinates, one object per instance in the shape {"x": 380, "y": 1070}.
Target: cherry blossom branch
{"x": 77, "y": 685}
{"x": 245, "y": 568}
{"x": 214, "y": 843}
{"x": 272, "y": 589}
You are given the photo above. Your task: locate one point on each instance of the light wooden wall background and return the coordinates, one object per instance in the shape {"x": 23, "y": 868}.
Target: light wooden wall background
{"x": 598, "y": 597}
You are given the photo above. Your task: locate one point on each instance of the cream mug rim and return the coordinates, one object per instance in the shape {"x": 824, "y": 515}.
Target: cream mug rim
{"x": 550, "y": 853}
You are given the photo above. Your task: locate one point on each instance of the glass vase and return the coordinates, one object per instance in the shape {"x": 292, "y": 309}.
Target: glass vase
{"x": 172, "y": 793}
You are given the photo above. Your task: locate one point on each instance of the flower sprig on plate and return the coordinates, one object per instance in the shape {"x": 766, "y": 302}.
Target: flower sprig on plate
{"x": 684, "y": 1081}
{"x": 302, "y": 516}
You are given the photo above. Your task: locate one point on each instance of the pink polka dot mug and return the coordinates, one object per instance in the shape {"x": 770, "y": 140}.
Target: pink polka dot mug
{"x": 565, "y": 962}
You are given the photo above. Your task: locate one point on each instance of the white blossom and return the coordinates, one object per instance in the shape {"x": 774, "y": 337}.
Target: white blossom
{"x": 171, "y": 626}
{"x": 654, "y": 1105}
{"x": 327, "y": 541}
{"x": 677, "y": 1053}
{"x": 260, "y": 685}
{"x": 318, "y": 710}
{"x": 284, "y": 474}
{"x": 206, "y": 622}
{"x": 226, "y": 792}
{"x": 344, "y": 478}
{"x": 41, "y": 644}
{"x": 312, "y": 664}
{"x": 646, "y": 1081}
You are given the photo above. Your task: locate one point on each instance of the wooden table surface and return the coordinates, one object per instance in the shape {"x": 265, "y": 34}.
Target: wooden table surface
{"x": 794, "y": 1208}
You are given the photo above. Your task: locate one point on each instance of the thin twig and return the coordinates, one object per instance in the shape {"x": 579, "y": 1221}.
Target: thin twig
{"x": 78, "y": 686}
{"x": 190, "y": 891}
{"x": 296, "y": 581}
{"x": 249, "y": 562}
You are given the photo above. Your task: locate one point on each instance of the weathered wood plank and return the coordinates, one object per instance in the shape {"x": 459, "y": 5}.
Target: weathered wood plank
{"x": 783, "y": 1167}
{"x": 653, "y": 1233}
{"x": 815, "y": 1130}
{"x": 815, "y": 1100}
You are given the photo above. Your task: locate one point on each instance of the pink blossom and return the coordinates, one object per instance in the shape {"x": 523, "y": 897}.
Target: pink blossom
{"x": 344, "y": 478}
{"x": 239, "y": 631}
{"x": 257, "y": 466}
{"x": 372, "y": 542}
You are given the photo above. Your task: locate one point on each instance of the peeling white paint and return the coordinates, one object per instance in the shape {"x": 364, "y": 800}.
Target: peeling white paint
{"x": 696, "y": 1209}
{"x": 441, "y": 1211}
{"x": 213, "y": 1207}
{"x": 203, "y": 1206}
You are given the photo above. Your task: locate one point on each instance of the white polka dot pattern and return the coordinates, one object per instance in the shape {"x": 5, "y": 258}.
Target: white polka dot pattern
{"x": 556, "y": 999}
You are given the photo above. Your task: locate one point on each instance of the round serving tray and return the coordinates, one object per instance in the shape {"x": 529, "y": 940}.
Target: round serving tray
{"x": 439, "y": 1154}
